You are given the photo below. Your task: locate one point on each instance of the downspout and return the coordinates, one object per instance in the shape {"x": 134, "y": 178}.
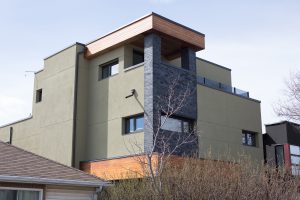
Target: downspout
{"x": 97, "y": 192}
{"x": 75, "y": 105}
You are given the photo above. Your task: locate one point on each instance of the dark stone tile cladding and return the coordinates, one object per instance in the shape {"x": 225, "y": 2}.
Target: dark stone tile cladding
{"x": 157, "y": 80}
{"x": 163, "y": 77}
{"x": 185, "y": 149}
{"x": 152, "y": 45}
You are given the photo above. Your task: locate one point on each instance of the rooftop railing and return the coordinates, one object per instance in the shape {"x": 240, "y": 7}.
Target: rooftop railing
{"x": 220, "y": 86}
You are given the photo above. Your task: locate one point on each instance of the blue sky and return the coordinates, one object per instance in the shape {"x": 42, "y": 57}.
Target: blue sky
{"x": 258, "y": 40}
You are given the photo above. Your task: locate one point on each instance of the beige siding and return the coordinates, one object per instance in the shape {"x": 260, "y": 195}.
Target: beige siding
{"x": 221, "y": 119}
{"x": 64, "y": 194}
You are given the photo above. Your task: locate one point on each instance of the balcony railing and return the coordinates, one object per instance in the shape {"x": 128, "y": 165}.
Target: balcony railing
{"x": 220, "y": 86}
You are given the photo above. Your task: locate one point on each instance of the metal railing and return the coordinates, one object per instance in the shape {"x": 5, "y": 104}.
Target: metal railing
{"x": 220, "y": 86}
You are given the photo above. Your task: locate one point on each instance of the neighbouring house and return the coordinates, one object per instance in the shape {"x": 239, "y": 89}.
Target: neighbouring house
{"x": 282, "y": 145}
{"x": 90, "y": 100}
{"x": 27, "y": 176}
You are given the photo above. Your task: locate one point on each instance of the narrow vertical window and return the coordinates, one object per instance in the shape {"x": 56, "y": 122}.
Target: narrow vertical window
{"x": 39, "y": 95}
{"x": 137, "y": 57}
{"x": 279, "y": 152}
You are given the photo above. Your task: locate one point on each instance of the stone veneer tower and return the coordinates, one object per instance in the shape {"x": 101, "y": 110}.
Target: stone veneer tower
{"x": 157, "y": 79}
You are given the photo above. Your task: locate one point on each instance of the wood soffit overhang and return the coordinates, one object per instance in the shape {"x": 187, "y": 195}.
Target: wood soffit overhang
{"x": 174, "y": 36}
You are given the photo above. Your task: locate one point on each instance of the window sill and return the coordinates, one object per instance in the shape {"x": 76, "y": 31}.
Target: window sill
{"x": 249, "y": 145}
{"x": 134, "y": 66}
{"x": 138, "y": 131}
{"x": 108, "y": 77}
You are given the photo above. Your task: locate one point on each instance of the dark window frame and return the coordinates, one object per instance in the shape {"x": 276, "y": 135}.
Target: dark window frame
{"x": 39, "y": 95}
{"x": 245, "y": 134}
{"x": 108, "y": 65}
{"x": 16, "y": 190}
{"x": 294, "y": 155}
{"x": 182, "y": 119}
{"x": 134, "y": 117}
{"x": 137, "y": 52}
{"x": 294, "y": 165}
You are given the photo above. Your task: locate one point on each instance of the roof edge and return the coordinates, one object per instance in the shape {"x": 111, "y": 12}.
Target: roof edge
{"x": 72, "y": 168}
{"x": 15, "y": 122}
{"x": 139, "y": 19}
{"x": 47, "y": 181}
{"x": 217, "y": 65}
{"x": 282, "y": 122}
{"x": 167, "y": 19}
{"x": 76, "y": 43}
{"x": 120, "y": 28}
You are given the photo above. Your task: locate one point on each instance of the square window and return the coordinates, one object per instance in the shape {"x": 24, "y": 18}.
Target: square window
{"x": 134, "y": 123}
{"x": 109, "y": 69}
{"x": 249, "y": 138}
{"x": 295, "y": 150}
{"x": 39, "y": 94}
{"x": 295, "y": 160}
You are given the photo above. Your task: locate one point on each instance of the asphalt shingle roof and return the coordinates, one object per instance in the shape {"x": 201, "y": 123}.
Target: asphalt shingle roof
{"x": 16, "y": 162}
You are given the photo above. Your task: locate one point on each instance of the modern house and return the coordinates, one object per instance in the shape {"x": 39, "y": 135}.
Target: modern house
{"x": 96, "y": 105}
{"x": 26, "y": 176}
{"x": 282, "y": 145}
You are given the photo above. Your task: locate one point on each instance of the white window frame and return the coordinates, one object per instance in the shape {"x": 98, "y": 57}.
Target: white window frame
{"x": 26, "y": 189}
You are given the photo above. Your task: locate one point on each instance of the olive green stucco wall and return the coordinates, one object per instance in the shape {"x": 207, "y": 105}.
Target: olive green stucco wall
{"x": 102, "y": 106}
{"x": 206, "y": 69}
{"x": 107, "y": 106}
{"x": 221, "y": 119}
{"x": 49, "y": 132}
{"x": 213, "y": 71}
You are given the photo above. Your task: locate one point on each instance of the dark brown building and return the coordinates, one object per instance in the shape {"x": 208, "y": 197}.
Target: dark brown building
{"x": 282, "y": 145}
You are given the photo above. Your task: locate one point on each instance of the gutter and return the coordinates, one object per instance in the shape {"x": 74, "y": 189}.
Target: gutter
{"x": 75, "y": 106}
{"x": 47, "y": 181}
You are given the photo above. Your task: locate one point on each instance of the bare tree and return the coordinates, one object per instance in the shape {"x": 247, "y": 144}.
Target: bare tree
{"x": 166, "y": 143}
{"x": 289, "y": 107}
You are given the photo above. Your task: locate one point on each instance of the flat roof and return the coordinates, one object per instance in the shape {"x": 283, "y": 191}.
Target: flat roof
{"x": 282, "y": 122}
{"x": 147, "y": 24}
